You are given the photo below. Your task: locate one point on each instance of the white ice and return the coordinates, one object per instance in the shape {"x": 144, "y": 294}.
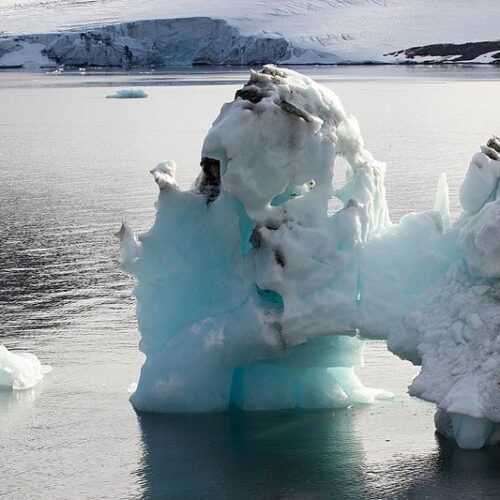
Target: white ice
{"x": 251, "y": 293}
{"x": 20, "y": 370}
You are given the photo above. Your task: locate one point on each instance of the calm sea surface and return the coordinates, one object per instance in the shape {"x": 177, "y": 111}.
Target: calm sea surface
{"x": 73, "y": 165}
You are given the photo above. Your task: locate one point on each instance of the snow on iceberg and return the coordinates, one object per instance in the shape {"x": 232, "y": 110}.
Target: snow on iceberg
{"x": 20, "y": 371}
{"x": 128, "y": 94}
{"x": 252, "y": 293}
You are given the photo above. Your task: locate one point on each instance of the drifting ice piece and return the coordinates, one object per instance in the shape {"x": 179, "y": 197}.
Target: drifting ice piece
{"x": 251, "y": 293}
{"x": 20, "y": 371}
{"x": 128, "y": 94}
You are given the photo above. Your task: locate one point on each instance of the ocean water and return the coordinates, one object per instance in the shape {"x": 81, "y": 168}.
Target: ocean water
{"x": 73, "y": 165}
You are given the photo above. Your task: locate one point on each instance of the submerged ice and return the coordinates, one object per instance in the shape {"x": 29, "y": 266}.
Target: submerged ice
{"x": 253, "y": 293}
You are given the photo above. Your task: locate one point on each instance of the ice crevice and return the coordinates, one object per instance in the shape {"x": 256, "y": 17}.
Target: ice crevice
{"x": 252, "y": 293}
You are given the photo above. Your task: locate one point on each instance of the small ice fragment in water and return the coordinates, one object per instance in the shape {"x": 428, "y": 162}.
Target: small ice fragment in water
{"x": 128, "y": 94}
{"x": 20, "y": 371}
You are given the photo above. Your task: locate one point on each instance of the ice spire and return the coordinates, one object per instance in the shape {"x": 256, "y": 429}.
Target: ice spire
{"x": 442, "y": 201}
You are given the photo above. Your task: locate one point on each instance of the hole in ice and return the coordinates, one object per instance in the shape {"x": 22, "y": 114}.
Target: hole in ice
{"x": 279, "y": 257}
{"x": 341, "y": 172}
{"x": 256, "y": 238}
{"x": 359, "y": 288}
{"x": 292, "y": 191}
{"x": 334, "y": 205}
{"x": 251, "y": 93}
{"x": 208, "y": 182}
{"x": 270, "y": 297}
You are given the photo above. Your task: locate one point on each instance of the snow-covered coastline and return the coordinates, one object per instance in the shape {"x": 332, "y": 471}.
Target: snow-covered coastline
{"x": 119, "y": 33}
{"x": 156, "y": 43}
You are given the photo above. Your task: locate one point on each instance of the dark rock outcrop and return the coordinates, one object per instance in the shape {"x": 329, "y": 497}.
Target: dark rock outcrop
{"x": 450, "y": 52}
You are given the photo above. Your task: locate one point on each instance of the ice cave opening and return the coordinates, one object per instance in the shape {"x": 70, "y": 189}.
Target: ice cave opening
{"x": 254, "y": 286}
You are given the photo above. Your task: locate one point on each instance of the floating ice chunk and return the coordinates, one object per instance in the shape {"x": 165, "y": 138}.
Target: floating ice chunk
{"x": 128, "y": 94}
{"x": 251, "y": 293}
{"x": 229, "y": 293}
{"x": 20, "y": 371}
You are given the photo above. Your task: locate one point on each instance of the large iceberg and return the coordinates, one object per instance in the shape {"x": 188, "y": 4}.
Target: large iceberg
{"x": 255, "y": 290}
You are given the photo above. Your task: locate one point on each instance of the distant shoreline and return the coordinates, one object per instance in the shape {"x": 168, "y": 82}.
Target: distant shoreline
{"x": 204, "y": 41}
{"x": 118, "y": 68}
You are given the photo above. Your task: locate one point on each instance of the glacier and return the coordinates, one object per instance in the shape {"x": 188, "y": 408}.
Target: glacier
{"x": 20, "y": 371}
{"x": 143, "y": 32}
{"x": 158, "y": 43}
{"x": 256, "y": 291}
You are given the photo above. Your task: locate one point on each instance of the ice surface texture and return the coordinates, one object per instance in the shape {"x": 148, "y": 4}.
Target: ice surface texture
{"x": 20, "y": 371}
{"x": 252, "y": 292}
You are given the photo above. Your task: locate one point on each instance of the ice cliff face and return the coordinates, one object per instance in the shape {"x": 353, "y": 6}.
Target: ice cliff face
{"x": 161, "y": 43}
{"x": 253, "y": 291}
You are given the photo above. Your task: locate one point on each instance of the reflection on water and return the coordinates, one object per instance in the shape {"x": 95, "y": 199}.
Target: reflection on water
{"x": 279, "y": 455}
{"x": 448, "y": 472}
{"x": 308, "y": 455}
{"x": 73, "y": 165}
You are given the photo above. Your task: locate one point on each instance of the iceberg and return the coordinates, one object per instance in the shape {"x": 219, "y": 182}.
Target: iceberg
{"x": 128, "y": 94}
{"x": 20, "y": 371}
{"x": 254, "y": 292}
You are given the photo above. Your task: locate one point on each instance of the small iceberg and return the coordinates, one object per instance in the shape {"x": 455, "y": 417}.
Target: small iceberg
{"x": 128, "y": 94}
{"x": 20, "y": 371}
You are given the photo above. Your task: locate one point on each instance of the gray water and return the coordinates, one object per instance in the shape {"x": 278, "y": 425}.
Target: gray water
{"x": 73, "y": 165}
